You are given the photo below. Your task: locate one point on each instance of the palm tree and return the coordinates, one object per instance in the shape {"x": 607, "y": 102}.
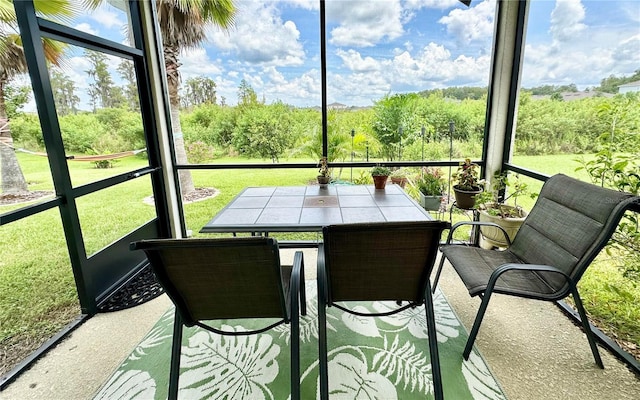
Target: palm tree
{"x": 183, "y": 25}
{"x": 13, "y": 63}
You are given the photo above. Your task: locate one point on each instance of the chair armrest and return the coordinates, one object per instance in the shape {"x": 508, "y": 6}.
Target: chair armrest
{"x": 525, "y": 267}
{"x": 321, "y": 274}
{"x": 478, "y": 224}
{"x": 298, "y": 291}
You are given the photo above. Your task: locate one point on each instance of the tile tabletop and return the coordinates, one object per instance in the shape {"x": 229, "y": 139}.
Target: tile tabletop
{"x": 309, "y": 208}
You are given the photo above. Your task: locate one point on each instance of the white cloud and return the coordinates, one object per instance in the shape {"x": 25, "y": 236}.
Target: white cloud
{"x": 197, "y": 62}
{"x": 227, "y": 88}
{"x": 586, "y": 69}
{"x": 580, "y": 53}
{"x": 431, "y": 67}
{"x": 106, "y": 17}
{"x": 303, "y": 4}
{"x": 356, "y": 89}
{"x": 87, "y": 28}
{"x": 566, "y": 21}
{"x": 354, "y": 61}
{"x": 364, "y": 23}
{"x": 434, "y": 65}
{"x": 437, "y": 4}
{"x": 77, "y": 72}
{"x": 261, "y": 37}
{"x": 380, "y": 47}
{"x": 627, "y": 52}
{"x": 472, "y": 24}
{"x": 302, "y": 90}
{"x": 631, "y": 10}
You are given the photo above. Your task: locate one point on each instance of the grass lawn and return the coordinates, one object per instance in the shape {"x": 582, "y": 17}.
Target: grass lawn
{"x": 37, "y": 286}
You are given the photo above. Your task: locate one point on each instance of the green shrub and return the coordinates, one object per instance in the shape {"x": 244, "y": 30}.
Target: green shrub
{"x": 199, "y": 152}
{"x": 80, "y": 132}
{"x": 25, "y": 129}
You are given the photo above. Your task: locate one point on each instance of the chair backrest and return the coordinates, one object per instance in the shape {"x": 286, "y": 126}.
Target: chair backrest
{"x": 211, "y": 279}
{"x": 569, "y": 225}
{"x": 380, "y": 261}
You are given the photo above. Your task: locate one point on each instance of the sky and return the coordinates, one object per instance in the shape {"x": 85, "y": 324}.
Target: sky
{"x": 379, "y": 47}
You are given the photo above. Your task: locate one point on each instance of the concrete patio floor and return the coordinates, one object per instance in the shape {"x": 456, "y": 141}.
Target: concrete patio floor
{"x": 533, "y": 349}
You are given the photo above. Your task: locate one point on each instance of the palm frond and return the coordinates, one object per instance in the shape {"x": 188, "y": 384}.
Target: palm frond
{"x": 183, "y": 23}
{"x": 61, "y": 11}
{"x": 7, "y": 12}
{"x": 12, "y": 61}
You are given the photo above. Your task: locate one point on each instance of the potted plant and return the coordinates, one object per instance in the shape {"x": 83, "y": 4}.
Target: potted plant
{"x": 399, "y": 177}
{"x": 430, "y": 185}
{"x": 324, "y": 174}
{"x": 493, "y": 207}
{"x": 380, "y": 174}
{"x": 469, "y": 184}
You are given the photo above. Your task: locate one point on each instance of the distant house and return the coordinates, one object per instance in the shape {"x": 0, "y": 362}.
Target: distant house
{"x": 629, "y": 87}
{"x": 569, "y": 96}
{"x": 336, "y": 106}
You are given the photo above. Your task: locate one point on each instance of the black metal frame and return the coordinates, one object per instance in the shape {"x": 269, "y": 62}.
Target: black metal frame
{"x": 291, "y": 309}
{"x": 325, "y": 299}
{"x": 486, "y": 296}
{"x": 580, "y": 317}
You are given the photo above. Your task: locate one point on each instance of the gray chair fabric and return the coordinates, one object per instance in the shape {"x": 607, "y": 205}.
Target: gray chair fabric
{"x": 566, "y": 229}
{"x": 377, "y": 262}
{"x": 221, "y": 279}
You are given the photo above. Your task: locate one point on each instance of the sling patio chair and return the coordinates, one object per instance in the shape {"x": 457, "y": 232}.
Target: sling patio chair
{"x": 378, "y": 262}
{"x": 567, "y": 227}
{"x": 220, "y": 279}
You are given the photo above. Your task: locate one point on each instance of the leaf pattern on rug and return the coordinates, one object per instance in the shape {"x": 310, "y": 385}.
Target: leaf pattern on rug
{"x": 386, "y": 359}
{"x": 232, "y": 367}
{"x": 409, "y": 366}
{"x": 415, "y": 319}
{"x": 350, "y": 378}
{"x": 365, "y": 326}
{"x": 308, "y": 323}
{"x": 481, "y": 382}
{"x": 403, "y": 363}
{"x": 156, "y": 337}
{"x": 132, "y": 384}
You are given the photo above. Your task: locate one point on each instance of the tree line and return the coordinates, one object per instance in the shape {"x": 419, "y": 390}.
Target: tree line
{"x": 607, "y": 85}
{"x": 396, "y": 127}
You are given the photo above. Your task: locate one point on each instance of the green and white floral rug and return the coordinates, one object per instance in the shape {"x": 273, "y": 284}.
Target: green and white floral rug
{"x": 369, "y": 358}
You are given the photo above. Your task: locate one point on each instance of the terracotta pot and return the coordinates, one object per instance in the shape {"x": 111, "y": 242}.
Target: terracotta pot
{"x": 380, "y": 181}
{"x": 466, "y": 199}
{"x": 399, "y": 181}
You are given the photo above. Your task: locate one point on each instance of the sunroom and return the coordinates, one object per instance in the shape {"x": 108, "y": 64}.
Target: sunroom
{"x": 139, "y": 162}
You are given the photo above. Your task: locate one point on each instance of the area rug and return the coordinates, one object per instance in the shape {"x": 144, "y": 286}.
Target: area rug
{"x": 369, "y": 358}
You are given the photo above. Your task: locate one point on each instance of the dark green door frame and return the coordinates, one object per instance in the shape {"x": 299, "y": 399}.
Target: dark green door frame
{"x": 98, "y": 276}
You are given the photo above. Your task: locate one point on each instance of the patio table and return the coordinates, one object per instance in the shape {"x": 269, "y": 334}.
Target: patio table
{"x": 309, "y": 208}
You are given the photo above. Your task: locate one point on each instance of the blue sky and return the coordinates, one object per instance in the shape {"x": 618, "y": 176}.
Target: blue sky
{"x": 376, "y": 47}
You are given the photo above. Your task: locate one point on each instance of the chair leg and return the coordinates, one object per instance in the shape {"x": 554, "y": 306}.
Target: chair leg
{"x": 296, "y": 296}
{"x": 295, "y": 356}
{"x": 437, "y": 278}
{"x": 298, "y": 259}
{"x": 176, "y": 350}
{"x": 476, "y": 324}
{"x": 586, "y": 327}
{"x": 433, "y": 344}
{"x": 323, "y": 369}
